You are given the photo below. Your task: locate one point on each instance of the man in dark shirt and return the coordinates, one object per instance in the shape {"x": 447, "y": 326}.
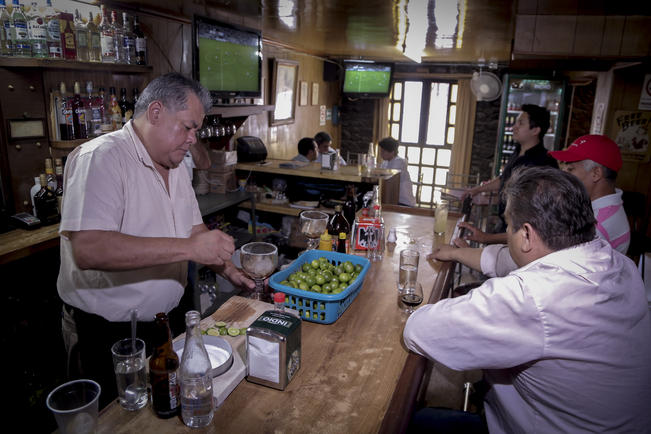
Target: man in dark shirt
{"x": 528, "y": 133}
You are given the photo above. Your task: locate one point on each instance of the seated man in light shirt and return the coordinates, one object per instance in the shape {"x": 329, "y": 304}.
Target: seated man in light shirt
{"x": 595, "y": 161}
{"x": 564, "y": 340}
{"x": 389, "y": 153}
{"x": 306, "y": 150}
{"x": 324, "y": 142}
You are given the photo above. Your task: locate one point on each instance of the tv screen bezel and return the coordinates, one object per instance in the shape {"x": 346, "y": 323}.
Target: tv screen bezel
{"x": 367, "y": 94}
{"x": 195, "y": 57}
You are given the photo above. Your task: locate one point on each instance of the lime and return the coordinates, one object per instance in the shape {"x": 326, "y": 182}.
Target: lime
{"x": 323, "y": 259}
{"x": 327, "y": 275}
{"x": 343, "y": 285}
{"x": 358, "y": 268}
{"x": 315, "y": 264}
{"x": 212, "y": 332}
{"x": 316, "y": 288}
{"x": 285, "y": 282}
{"x": 304, "y": 286}
{"x": 337, "y": 290}
{"x": 243, "y": 331}
{"x": 223, "y": 331}
{"x": 306, "y": 267}
{"x": 320, "y": 280}
{"x": 311, "y": 280}
{"x": 344, "y": 277}
{"x": 232, "y": 331}
{"x": 219, "y": 324}
{"x": 326, "y": 288}
{"x": 348, "y": 267}
{"x": 338, "y": 270}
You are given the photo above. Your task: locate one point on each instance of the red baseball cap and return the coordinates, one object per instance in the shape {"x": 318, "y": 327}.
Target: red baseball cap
{"x": 597, "y": 148}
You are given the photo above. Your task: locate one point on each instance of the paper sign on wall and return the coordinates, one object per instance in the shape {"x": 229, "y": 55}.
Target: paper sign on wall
{"x": 322, "y": 115}
{"x": 632, "y": 134}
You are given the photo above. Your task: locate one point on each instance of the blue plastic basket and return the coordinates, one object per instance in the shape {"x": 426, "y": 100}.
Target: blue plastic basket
{"x": 313, "y": 306}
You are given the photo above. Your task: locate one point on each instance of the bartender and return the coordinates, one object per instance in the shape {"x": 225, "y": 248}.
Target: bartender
{"x": 130, "y": 224}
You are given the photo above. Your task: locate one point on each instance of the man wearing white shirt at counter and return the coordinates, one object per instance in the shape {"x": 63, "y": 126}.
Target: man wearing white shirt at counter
{"x": 323, "y": 142}
{"x": 565, "y": 339}
{"x": 130, "y": 224}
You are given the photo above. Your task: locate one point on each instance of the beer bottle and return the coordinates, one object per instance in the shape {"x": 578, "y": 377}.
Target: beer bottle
{"x": 163, "y": 371}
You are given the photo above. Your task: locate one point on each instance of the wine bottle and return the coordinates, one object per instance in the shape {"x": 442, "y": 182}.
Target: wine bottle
{"x": 141, "y": 43}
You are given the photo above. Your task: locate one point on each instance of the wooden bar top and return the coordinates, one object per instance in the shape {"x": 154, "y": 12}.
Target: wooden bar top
{"x": 349, "y": 369}
{"x": 349, "y": 173}
{"x": 19, "y": 243}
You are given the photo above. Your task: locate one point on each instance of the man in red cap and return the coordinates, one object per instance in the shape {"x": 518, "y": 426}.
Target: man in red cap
{"x": 595, "y": 160}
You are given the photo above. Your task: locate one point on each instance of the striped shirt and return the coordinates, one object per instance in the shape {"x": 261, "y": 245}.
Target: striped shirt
{"x": 612, "y": 224}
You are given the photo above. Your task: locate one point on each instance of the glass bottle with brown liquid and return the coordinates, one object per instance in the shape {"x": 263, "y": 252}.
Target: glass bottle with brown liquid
{"x": 164, "y": 371}
{"x": 337, "y": 225}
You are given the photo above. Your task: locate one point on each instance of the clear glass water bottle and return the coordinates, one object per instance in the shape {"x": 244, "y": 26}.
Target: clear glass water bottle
{"x": 196, "y": 379}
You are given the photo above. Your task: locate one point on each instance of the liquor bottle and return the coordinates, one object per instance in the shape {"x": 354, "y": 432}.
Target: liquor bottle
{"x": 68, "y": 44}
{"x": 350, "y": 207}
{"x": 22, "y": 46}
{"x": 129, "y": 41}
{"x": 103, "y": 102}
{"x": 37, "y": 32}
{"x": 94, "y": 42}
{"x": 6, "y": 31}
{"x": 118, "y": 38}
{"x": 53, "y": 31}
{"x": 94, "y": 112}
{"x": 126, "y": 106}
{"x": 45, "y": 203}
{"x": 66, "y": 125}
{"x": 196, "y": 381}
{"x": 337, "y": 225}
{"x": 78, "y": 113}
{"x": 164, "y": 370}
{"x": 107, "y": 36}
{"x": 32, "y": 192}
{"x": 49, "y": 175}
{"x": 141, "y": 43}
{"x": 114, "y": 110}
{"x": 136, "y": 95}
{"x": 58, "y": 172}
{"x": 341, "y": 242}
{"x": 81, "y": 37}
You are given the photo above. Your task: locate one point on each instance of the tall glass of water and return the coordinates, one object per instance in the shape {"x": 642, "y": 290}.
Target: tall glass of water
{"x": 441, "y": 217}
{"x": 130, "y": 373}
{"x": 408, "y": 271}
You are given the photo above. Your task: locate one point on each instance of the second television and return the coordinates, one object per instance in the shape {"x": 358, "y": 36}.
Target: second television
{"x": 227, "y": 58}
{"x": 367, "y": 79}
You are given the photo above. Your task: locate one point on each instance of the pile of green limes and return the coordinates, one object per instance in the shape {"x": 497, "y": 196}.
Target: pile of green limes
{"x": 321, "y": 276}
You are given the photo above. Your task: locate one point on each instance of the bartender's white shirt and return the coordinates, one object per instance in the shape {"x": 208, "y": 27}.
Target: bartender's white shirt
{"x": 111, "y": 185}
{"x": 564, "y": 341}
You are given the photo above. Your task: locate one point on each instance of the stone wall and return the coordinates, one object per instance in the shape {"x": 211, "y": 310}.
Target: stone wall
{"x": 484, "y": 139}
{"x": 356, "y": 125}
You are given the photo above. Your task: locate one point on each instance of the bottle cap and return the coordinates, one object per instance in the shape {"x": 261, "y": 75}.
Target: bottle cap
{"x": 279, "y": 297}
{"x": 342, "y": 235}
{"x": 338, "y": 208}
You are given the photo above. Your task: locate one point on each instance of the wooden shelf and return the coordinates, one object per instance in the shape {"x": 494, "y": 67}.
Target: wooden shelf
{"x": 67, "y": 144}
{"x": 233, "y": 111}
{"x": 18, "y": 62}
{"x": 282, "y": 209}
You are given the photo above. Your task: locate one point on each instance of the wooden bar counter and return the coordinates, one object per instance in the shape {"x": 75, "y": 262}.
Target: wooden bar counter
{"x": 349, "y": 369}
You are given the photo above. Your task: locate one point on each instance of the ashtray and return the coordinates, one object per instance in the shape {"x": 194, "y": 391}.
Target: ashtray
{"x": 219, "y": 351}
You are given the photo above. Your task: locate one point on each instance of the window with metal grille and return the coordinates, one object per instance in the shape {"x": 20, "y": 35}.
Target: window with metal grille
{"x": 422, "y": 116}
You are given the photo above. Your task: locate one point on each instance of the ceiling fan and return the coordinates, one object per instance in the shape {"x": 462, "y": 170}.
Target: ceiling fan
{"x": 486, "y": 86}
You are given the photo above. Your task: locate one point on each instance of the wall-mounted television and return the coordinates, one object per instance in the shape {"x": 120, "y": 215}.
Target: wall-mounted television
{"x": 227, "y": 59}
{"x": 367, "y": 79}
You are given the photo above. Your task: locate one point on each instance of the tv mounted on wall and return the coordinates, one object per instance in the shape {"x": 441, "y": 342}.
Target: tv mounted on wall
{"x": 227, "y": 59}
{"x": 367, "y": 79}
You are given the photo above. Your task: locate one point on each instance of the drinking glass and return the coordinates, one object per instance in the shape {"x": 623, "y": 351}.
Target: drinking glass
{"x": 130, "y": 373}
{"x": 258, "y": 261}
{"x": 313, "y": 224}
{"x": 74, "y": 405}
{"x": 441, "y": 217}
{"x": 375, "y": 242}
{"x": 408, "y": 270}
{"x": 412, "y": 296}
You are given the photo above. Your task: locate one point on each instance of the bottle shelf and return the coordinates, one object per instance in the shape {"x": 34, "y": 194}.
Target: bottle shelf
{"x": 27, "y": 62}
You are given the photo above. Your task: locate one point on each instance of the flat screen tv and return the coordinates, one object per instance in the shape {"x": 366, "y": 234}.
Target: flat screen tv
{"x": 227, "y": 58}
{"x": 367, "y": 79}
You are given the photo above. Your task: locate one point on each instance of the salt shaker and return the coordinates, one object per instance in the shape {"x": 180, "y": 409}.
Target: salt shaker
{"x": 391, "y": 238}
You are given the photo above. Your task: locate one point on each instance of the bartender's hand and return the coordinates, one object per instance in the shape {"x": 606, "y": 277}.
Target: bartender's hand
{"x": 211, "y": 247}
{"x": 236, "y": 276}
{"x": 469, "y": 192}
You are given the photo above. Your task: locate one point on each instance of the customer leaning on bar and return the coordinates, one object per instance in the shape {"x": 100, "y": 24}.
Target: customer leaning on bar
{"x": 129, "y": 226}
{"x": 565, "y": 339}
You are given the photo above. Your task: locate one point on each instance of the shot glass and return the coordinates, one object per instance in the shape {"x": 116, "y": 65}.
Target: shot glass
{"x": 130, "y": 373}
{"x": 408, "y": 271}
{"x": 74, "y": 405}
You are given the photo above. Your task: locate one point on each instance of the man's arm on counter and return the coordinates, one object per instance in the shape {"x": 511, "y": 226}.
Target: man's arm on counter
{"x": 493, "y": 261}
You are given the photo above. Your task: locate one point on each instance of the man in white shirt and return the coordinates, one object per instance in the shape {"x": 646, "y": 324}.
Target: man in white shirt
{"x": 389, "y": 153}
{"x": 130, "y": 224}
{"x": 565, "y": 339}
